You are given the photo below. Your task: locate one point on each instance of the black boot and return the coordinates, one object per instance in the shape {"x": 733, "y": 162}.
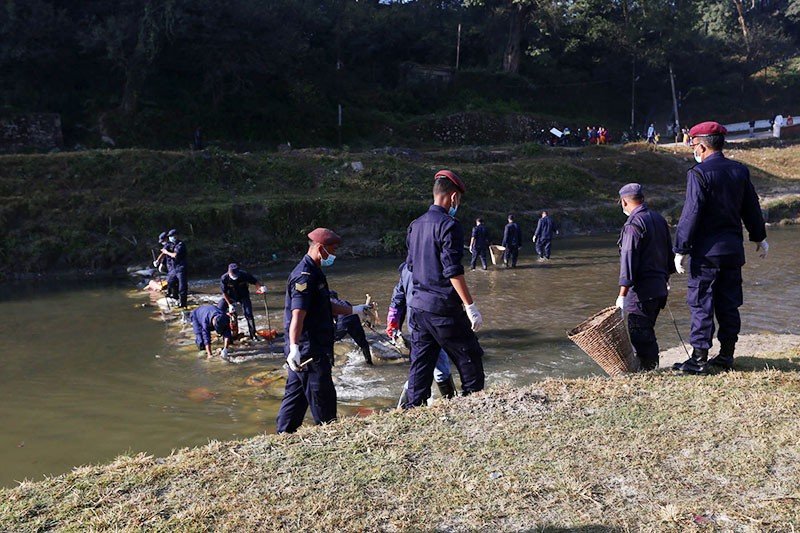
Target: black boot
{"x": 251, "y": 327}
{"x": 696, "y": 364}
{"x": 447, "y": 388}
{"x": 367, "y": 354}
{"x": 725, "y": 358}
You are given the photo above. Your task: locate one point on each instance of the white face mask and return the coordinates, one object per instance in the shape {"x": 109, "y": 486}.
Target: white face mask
{"x": 626, "y": 213}
{"x": 697, "y": 157}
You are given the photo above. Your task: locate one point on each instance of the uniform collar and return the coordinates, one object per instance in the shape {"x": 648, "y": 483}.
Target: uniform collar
{"x": 639, "y": 207}
{"x": 435, "y": 207}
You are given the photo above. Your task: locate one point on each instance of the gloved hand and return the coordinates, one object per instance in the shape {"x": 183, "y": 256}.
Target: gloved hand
{"x": 474, "y": 316}
{"x": 620, "y": 303}
{"x": 231, "y": 308}
{"x": 224, "y": 353}
{"x": 293, "y": 359}
{"x": 763, "y": 248}
{"x": 361, "y": 310}
{"x": 534, "y": 238}
{"x": 155, "y": 263}
{"x": 261, "y": 290}
{"x": 679, "y": 264}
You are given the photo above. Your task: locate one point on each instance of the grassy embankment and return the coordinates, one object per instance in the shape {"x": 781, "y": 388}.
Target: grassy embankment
{"x": 101, "y": 210}
{"x": 653, "y": 452}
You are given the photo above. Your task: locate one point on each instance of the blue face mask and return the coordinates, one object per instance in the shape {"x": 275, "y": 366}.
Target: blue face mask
{"x": 328, "y": 261}
{"x": 173, "y": 239}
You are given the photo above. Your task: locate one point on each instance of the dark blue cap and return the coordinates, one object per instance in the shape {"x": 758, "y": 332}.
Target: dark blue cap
{"x": 172, "y": 232}
{"x": 629, "y": 190}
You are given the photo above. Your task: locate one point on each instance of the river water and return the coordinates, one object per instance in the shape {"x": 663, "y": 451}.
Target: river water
{"x": 91, "y": 372}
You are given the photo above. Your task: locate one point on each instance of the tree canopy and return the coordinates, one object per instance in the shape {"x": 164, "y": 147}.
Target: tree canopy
{"x": 279, "y": 70}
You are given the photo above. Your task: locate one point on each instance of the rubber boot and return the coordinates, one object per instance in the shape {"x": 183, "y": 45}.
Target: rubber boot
{"x": 696, "y": 364}
{"x": 251, "y": 327}
{"x": 447, "y": 388}
{"x": 725, "y": 358}
{"x": 367, "y": 354}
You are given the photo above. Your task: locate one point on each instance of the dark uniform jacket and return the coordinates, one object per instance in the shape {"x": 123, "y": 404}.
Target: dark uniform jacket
{"x": 512, "y": 235}
{"x": 719, "y": 197}
{"x": 179, "y": 263}
{"x": 204, "y": 316}
{"x": 435, "y": 248}
{"x": 481, "y": 236}
{"x": 307, "y": 289}
{"x": 646, "y": 259}
{"x": 237, "y": 289}
{"x": 545, "y": 229}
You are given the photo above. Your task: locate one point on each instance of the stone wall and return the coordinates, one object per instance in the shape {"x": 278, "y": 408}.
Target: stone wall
{"x": 30, "y": 132}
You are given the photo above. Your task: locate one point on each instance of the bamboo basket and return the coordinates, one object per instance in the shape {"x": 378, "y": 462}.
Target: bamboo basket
{"x": 496, "y": 252}
{"x": 604, "y": 338}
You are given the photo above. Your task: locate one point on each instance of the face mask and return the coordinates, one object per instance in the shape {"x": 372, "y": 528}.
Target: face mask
{"x": 626, "y": 213}
{"x": 234, "y": 277}
{"x": 172, "y": 239}
{"x": 328, "y": 261}
{"x": 697, "y": 157}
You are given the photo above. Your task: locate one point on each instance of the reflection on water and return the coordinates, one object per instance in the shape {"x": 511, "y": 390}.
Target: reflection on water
{"x": 88, "y": 374}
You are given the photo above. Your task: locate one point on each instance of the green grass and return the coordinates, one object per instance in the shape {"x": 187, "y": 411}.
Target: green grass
{"x": 101, "y": 210}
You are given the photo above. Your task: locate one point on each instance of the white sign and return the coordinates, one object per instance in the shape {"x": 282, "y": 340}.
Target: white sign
{"x": 556, "y": 132}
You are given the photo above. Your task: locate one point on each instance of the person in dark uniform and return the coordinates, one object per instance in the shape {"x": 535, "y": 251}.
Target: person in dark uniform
{"x": 512, "y": 239}
{"x": 402, "y": 295}
{"x": 350, "y": 325}
{"x": 479, "y": 243}
{"x": 719, "y": 197}
{"x": 205, "y": 319}
{"x": 442, "y": 314}
{"x": 543, "y": 236}
{"x": 234, "y": 286}
{"x": 309, "y": 332}
{"x": 645, "y": 264}
{"x": 176, "y": 252}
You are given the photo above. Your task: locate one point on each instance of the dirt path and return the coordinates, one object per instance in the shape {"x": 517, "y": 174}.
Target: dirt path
{"x": 748, "y": 345}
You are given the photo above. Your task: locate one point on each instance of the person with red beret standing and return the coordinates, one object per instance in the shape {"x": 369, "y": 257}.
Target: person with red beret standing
{"x": 719, "y": 197}
{"x": 442, "y": 314}
{"x": 309, "y": 332}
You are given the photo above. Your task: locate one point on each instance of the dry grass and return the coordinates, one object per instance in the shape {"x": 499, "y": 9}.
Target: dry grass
{"x": 656, "y": 452}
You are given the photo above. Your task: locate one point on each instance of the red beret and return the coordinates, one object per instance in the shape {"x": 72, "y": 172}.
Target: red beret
{"x": 452, "y": 176}
{"x": 708, "y": 128}
{"x": 324, "y": 236}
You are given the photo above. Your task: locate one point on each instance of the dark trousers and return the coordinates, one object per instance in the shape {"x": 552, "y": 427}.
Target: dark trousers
{"x": 543, "y": 247}
{"x": 431, "y": 333}
{"x": 312, "y": 387}
{"x": 479, "y": 252}
{"x": 178, "y": 276}
{"x": 511, "y": 253}
{"x": 642, "y": 318}
{"x": 197, "y": 328}
{"x": 714, "y": 291}
{"x": 351, "y": 325}
{"x": 247, "y": 308}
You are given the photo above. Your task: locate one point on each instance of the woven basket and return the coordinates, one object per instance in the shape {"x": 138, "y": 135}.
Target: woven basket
{"x": 605, "y": 339}
{"x": 496, "y": 253}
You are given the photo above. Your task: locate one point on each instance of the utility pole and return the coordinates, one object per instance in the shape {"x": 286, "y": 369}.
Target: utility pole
{"x": 677, "y": 123}
{"x": 633, "y": 92}
{"x": 458, "y": 46}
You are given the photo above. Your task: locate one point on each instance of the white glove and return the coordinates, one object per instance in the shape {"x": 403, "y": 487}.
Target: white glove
{"x": 224, "y": 353}
{"x": 534, "y": 238}
{"x": 231, "y": 308}
{"x": 679, "y": 264}
{"x": 620, "y": 303}
{"x": 763, "y": 248}
{"x": 361, "y": 309}
{"x": 262, "y": 289}
{"x": 155, "y": 264}
{"x": 474, "y": 316}
{"x": 293, "y": 359}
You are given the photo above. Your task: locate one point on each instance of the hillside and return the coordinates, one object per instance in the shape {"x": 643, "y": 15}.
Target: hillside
{"x": 99, "y": 211}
